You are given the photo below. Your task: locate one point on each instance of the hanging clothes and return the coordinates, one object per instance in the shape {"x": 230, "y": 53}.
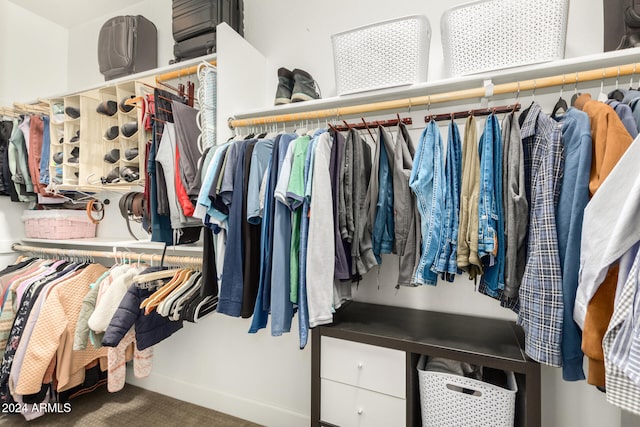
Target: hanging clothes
{"x": 231, "y": 291}
{"x": 541, "y": 301}
{"x": 383, "y": 224}
{"x": 574, "y": 196}
{"x": 468, "y": 259}
{"x": 446, "y": 260}
{"x": 53, "y": 333}
{"x": 491, "y": 247}
{"x": 594, "y": 304}
{"x": 320, "y": 250}
{"x": 516, "y": 210}
{"x": 427, "y": 182}
{"x": 361, "y": 247}
{"x": 187, "y": 133}
{"x": 36, "y": 130}
{"x": 621, "y": 346}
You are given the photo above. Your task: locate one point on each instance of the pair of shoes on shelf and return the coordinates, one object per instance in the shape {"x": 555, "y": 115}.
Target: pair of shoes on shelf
{"x": 128, "y": 130}
{"x": 112, "y": 177}
{"x": 75, "y": 138}
{"x": 72, "y": 112}
{"x": 112, "y": 133}
{"x": 295, "y": 86}
{"x": 109, "y": 107}
{"x": 114, "y": 155}
{"x": 75, "y": 154}
{"x": 129, "y": 173}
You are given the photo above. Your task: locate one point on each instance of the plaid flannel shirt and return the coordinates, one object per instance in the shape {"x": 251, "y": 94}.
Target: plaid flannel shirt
{"x": 541, "y": 303}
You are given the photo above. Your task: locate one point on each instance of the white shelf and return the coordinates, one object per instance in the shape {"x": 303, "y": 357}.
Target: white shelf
{"x": 565, "y": 66}
{"x": 104, "y": 243}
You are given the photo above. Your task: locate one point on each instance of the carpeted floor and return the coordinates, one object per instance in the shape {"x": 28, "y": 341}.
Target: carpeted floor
{"x": 130, "y": 407}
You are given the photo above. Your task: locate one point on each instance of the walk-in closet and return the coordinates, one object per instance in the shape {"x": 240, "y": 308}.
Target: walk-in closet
{"x": 284, "y": 213}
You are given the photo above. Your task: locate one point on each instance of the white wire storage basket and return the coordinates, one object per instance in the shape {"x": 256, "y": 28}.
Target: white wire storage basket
{"x": 495, "y": 34}
{"x": 386, "y": 54}
{"x": 449, "y": 400}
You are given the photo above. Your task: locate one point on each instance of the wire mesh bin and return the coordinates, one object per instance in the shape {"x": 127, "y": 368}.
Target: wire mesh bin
{"x": 453, "y": 400}
{"x": 58, "y": 224}
{"x": 386, "y": 54}
{"x": 494, "y": 34}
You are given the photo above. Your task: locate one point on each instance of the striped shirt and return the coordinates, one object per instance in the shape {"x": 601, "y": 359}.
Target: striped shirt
{"x": 621, "y": 345}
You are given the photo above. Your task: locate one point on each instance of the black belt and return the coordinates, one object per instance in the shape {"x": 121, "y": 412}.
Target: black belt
{"x": 132, "y": 209}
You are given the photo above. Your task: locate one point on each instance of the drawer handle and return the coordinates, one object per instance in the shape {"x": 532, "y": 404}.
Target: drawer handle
{"x": 360, "y": 411}
{"x": 360, "y": 365}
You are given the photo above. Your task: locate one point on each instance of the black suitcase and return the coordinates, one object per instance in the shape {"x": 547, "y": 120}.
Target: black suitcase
{"x": 127, "y": 45}
{"x": 192, "y": 18}
{"x": 203, "y": 44}
{"x": 194, "y": 24}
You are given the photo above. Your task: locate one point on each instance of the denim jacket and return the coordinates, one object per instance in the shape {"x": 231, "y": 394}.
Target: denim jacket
{"x": 426, "y": 181}
{"x": 446, "y": 262}
{"x": 491, "y": 226}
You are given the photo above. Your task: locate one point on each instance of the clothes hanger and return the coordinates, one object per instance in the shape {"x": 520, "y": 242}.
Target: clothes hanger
{"x": 156, "y": 275}
{"x": 561, "y": 104}
{"x": 152, "y": 301}
{"x": 576, "y": 94}
{"x": 616, "y": 94}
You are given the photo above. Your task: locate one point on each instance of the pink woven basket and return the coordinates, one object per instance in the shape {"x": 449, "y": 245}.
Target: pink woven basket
{"x": 58, "y": 224}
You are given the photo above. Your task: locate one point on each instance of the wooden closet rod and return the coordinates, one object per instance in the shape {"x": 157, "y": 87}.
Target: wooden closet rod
{"x": 435, "y": 98}
{"x": 181, "y": 73}
{"x": 131, "y": 256}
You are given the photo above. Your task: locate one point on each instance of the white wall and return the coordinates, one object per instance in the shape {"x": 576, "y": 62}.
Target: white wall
{"x": 34, "y": 53}
{"x": 297, "y": 34}
{"x": 83, "y": 42}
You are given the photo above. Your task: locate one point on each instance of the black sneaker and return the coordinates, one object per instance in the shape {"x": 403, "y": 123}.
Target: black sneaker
{"x": 124, "y": 107}
{"x": 285, "y": 87}
{"x": 129, "y": 129}
{"x": 112, "y": 133}
{"x": 131, "y": 153}
{"x": 72, "y": 112}
{"x": 305, "y": 87}
{"x": 75, "y": 152}
{"x": 75, "y": 138}
{"x": 112, "y": 156}
{"x": 107, "y": 108}
{"x": 130, "y": 173}
{"x": 112, "y": 176}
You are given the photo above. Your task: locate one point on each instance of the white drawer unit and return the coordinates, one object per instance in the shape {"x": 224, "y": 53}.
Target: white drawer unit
{"x": 345, "y": 406}
{"x": 367, "y": 366}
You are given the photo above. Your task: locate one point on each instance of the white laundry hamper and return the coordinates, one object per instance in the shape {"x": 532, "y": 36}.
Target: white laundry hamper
{"x": 444, "y": 404}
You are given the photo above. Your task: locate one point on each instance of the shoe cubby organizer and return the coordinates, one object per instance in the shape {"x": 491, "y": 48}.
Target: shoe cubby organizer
{"x": 93, "y": 143}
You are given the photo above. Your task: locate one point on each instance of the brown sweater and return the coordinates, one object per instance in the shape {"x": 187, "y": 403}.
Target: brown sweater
{"x": 53, "y": 336}
{"x": 610, "y": 141}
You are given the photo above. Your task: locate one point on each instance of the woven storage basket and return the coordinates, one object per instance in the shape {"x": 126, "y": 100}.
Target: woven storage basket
{"x": 385, "y": 54}
{"x": 494, "y": 34}
{"x": 488, "y": 406}
{"x": 58, "y": 224}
